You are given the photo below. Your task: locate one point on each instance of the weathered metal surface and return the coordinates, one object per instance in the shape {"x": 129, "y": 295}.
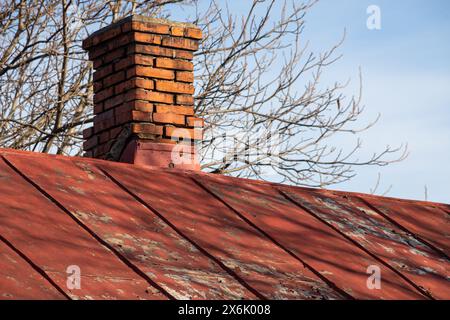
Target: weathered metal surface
{"x": 53, "y": 241}
{"x": 18, "y": 280}
{"x": 256, "y": 260}
{"x": 143, "y": 233}
{"x": 428, "y": 221}
{"x": 311, "y": 240}
{"x": 141, "y": 237}
{"x": 421, "y": 265}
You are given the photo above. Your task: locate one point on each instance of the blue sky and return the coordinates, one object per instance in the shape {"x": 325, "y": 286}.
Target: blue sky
{"x": 406, "y": 79}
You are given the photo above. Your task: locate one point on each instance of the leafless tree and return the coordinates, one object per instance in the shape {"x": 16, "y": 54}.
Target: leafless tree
{"x": 258, "y": 86}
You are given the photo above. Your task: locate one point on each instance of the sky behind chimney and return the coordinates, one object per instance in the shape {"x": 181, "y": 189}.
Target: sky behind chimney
{"x": 406, "y": 78}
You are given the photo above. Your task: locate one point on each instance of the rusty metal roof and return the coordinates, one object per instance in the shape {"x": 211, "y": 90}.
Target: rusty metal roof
{"x": 146, "y": 233}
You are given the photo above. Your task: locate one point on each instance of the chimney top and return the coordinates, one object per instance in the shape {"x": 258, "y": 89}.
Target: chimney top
{"x": 94, "y": 39}
{"x": 143, "y": 93}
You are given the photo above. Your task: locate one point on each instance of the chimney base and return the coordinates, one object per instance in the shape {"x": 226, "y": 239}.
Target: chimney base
{"x": 165, "y": 155}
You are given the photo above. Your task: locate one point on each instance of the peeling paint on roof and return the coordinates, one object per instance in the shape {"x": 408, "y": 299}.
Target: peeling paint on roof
{"x": 145, "y": 233}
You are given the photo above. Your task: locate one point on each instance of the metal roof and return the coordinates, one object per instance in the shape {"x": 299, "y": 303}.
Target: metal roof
{"x": 150, "y": 233}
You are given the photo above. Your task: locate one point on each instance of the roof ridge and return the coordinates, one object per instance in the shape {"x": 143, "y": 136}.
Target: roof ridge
{"x": 443, "y": 206}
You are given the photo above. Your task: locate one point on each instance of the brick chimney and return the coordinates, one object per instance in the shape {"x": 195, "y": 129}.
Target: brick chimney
{"x": 143, "y": 93}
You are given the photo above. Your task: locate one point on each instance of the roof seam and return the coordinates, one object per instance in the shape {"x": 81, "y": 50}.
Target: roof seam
{"x": 92, "y": 233}
{"x": 274, "y": 241}
{"x": 35, "y": 267}
{"x": 197, "y": 246}
{"x": 400, "y": 226}
{"x": 409, "y": 281}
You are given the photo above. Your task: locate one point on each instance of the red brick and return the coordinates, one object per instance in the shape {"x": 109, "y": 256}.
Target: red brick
{"x": 139, "y": 106}
{"x": 194, "y": 122}
{"x": 112, "y": 102}
{"x": 160, "y": 51}
{"x": 103, "y": 125}
{"x": 184, "y": 133}
{"x": 184, "y": 76}
{"x": 147, "y": 38}
{"x": 103, "y": 137}
{"x": 143, "y": 59}
{"x": 98, "y": 86}
{"x": 120, "y": 41}
{"x": 150, "y": 27}
{"x": 184, "y": 110}
{"x": 194, "y": 33}
{"x": 174, "y": 87}
{"x": 90, "y": 143}
{"x": 174, "y": 64}
{"x": 146, "y": 128}
{"x": 104, "y": 115}
{"x": 126, "y": 27}
{"x": 103, "y": 94}
{"x": 121, "y": 87}
{"x": 114, "y": 132}
{"x": 88, "y": 132}
{"x": 177, "y": 31}
{"x": 185, "y": 99}
{"x": 150, "y": 72}
{"x": 113, "y": 55}
{"x": 97, "y": 51}
{"x": 133, "y": 60}
{"x": 122, "y": 117}
{"x": 124, "y": 63}
{"x": 181, "y": 43}
{"x": 163, "y": 140}
{"x": 141, "y": 116}
{"x": 168, "y": 118}
{"x": 140, "y": 94}
{"x": 98, "y": 107}
{"x": 87, "y": 43}
{"x": 133, "y": 115}
{"x": 142, "y": 83}
{"x": 103, "y": 72}
{"x": 134, "y": 83}
{"x": 114, "y": 78}
{"x": 97, "y": 63}
{"x": 95, "y": 40}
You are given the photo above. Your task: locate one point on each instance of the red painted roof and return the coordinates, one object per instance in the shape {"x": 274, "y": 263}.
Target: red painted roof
{"x": 146, "y": 233}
